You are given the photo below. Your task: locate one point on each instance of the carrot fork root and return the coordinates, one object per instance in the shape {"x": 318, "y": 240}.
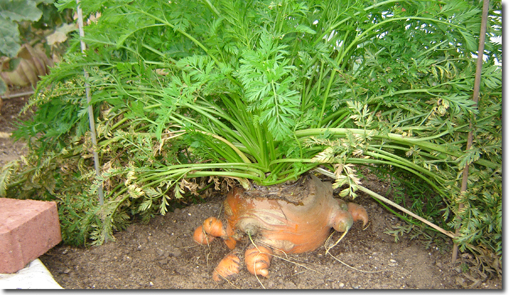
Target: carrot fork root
{"x": 258, "y": 260}
{"x": 358, "y": 213}
{"x": 226, "y": 267}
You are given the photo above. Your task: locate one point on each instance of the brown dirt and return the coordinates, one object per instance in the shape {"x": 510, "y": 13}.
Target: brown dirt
{"x": 9, "y": 114}
{"x": 163, "y": 255}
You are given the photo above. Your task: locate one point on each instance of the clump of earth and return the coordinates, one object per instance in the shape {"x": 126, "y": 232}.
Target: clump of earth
{"x": 161, "y": 254}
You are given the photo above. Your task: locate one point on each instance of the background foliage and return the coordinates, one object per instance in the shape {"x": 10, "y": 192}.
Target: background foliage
{"x": 195, "y": 95}
{"x": 28, "y": 30}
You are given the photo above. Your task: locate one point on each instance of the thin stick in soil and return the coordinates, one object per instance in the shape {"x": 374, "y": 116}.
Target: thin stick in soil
{"x": 353, "y": 268}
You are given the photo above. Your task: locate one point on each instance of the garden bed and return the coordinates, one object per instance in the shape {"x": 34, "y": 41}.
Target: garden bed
{"x": 163, "y": 255}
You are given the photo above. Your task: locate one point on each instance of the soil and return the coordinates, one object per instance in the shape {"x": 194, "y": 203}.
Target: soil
{"x": 9, "y": 115}
{"x": 162, "y": 254}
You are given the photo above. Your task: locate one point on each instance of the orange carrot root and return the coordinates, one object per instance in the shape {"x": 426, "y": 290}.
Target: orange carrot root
{"x": 214, "y": 227}
{"x": 201, "y": 238}
{"x": 358, "y": 213}
{"x": 343, "y": 221}
{"x": 227, "y": 267}
{"x": 258, "y": 260}
{"x": 230, "y": 242}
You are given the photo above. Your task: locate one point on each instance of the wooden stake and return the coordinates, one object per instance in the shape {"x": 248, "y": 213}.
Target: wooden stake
{"x": 89, "y": 107}
{"x": 477, "y": 83}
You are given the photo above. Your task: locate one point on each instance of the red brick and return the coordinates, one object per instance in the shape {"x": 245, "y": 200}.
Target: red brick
{"x": 28, "y": 229}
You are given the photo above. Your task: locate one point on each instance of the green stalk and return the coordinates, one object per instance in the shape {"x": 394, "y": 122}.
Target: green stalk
{"x": 408, "y": 91}
{"x": 196, "y": 174}
{"x": 191, "y": 170}
{"x": 333, "y": 27}
{"x": 178, "y": 30}
{"x": 241, "y": 155}
{"x": 339, "y": 115}
{"x": 341, "y": 57}
{"x": 398, "y": 161}
{"x": 122, "y": 39}
{"x": 207, "y": 113}
{"x": 114, "y": 45}
{"x": 212, "y": 7}
{"x": 424, "y": 154}
{"x": 254, "y": 139}
{"x": 290, "y": 177}
{"x": 202, "y": 166}
{"x": 421, "y": 142}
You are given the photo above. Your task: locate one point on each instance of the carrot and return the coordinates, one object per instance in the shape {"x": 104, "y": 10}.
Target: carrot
{"x": 214, "y": 227}
{"x": 201, "y": 238}
{"x": 343, "y": 221}
{"x": 358, "y": 212}
{"x": 226, "y": 267}
{"x": 258, "y": 260}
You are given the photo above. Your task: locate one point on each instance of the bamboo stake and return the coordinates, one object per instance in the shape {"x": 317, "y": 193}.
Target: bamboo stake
{"x": 89, "y": 107}
{"x": 477, "y": 83}
{"x": 377, "y": 196}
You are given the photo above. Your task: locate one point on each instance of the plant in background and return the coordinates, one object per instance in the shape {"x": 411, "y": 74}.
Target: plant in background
{"x": 194, "y": 94}
{"x": 25, "y": 24}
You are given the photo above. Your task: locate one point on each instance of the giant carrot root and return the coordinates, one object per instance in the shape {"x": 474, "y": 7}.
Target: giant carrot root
{"x": 258, "y": 260}
{"x": 227, "y": 267}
